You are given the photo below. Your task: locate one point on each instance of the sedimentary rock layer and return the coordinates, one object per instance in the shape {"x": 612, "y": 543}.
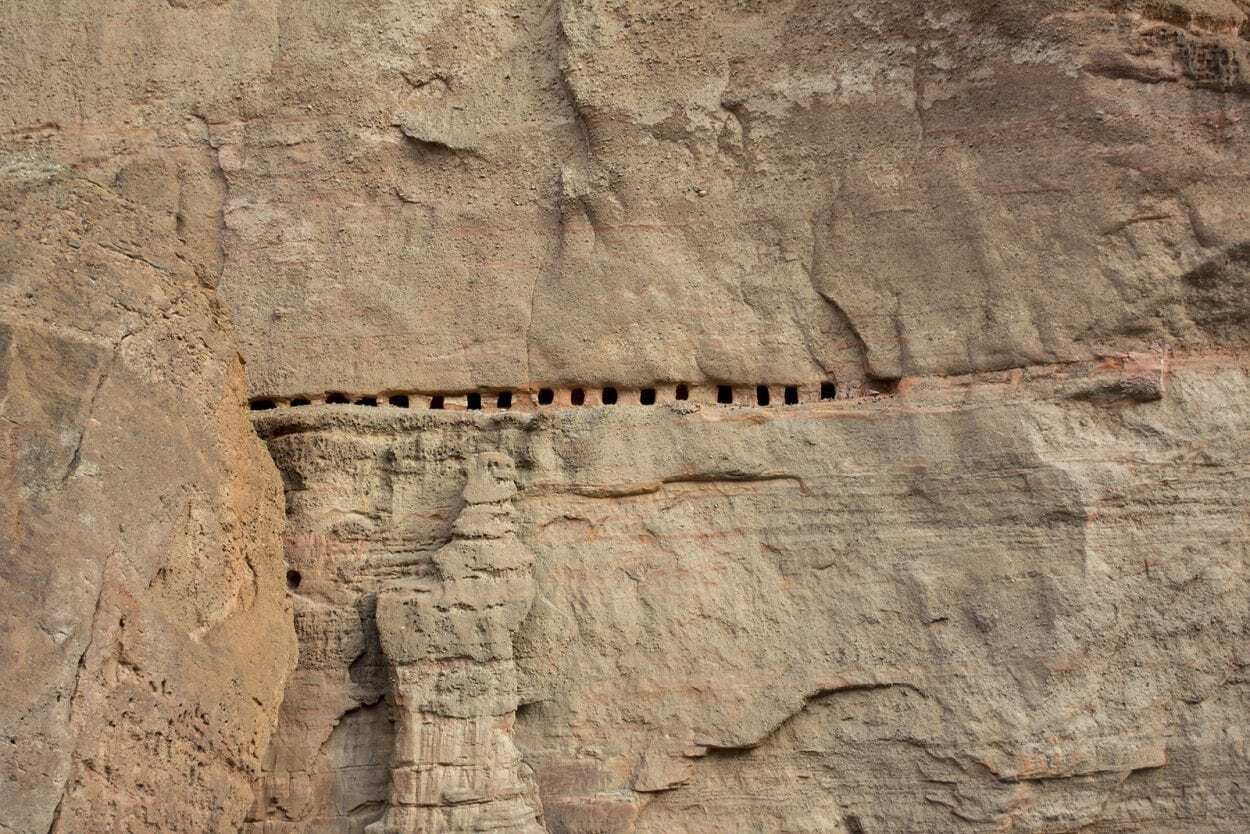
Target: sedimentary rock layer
{"x": 1000, "y": 602}
{"x": 999, "y": 583}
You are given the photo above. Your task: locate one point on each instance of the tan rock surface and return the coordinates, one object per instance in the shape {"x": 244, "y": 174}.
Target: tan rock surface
{"x": 998, "y": 603}
{"x": 454, "y": 195}
{"x": 1010, "y": 594}
{"x": 145, "y": 637}
{"x": 445, "y": 195}
{"x": 453, "y": 679}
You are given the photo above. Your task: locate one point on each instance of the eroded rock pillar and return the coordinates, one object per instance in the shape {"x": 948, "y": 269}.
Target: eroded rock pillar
{"x": 448, "y": 646}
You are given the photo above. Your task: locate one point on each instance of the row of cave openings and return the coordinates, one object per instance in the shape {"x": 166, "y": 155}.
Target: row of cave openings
{"x": 759, "y": 395}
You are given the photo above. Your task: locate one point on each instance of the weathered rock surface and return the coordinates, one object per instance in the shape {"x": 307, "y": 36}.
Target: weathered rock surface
{"x": 456, "y": 195}
{"x": 1007, "y": 603}
{"x": 450, "y": 195}
{"x": 145, "y": 637}
{"x": 1010, "y": 594}
{"x": 453, "y": 679}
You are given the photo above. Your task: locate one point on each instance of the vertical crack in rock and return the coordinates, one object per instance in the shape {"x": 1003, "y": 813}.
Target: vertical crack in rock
{"x": 820, "y": 225}
{"x": 570, "y": 189}
{"x": 75, "y": 458}
{"x": 455, "y": 767}
{"x": 218, "y": 184}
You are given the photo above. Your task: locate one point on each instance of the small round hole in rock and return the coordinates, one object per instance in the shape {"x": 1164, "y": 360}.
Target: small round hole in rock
{"x": 792, "y": 395}
{"x": 475, "y": 402}
{"x": 577, "y": 397}
{"x": 293, "y": 579}
{"x": 828, "y": 391}
{"x": 505, "y": 400}
{"x": 761, "y": 395}
{"x": 609, "y": 396}
{"x": 262, "y": 405}
{"x": 335, "y": 398}
{"x": 398, "y": 400}
{"x": 546, "y": 396}
{"x": 724, "y": 394}
{"x": 300, "y": 401}
{"x": 683, "y": 392}
{"x": 647, "y": 396}
{"x": 436, "y": 402}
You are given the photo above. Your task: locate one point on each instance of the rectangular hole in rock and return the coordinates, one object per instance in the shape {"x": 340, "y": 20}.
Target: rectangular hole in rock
{"x": 262, "y": 405}
{"x": 647, "y": 396}
{"x": 336, "y": 398}
{"x": 546, "y": 396}
{"x": 475, "y": 401}
{"x": 300, "y": 401}
{"x": 792, "y": 395}
{"x": 724, "y": 394}
{"x": 505, "y": 400}
{"x": 436, "y": 402}
{"x": 609, "y": 396}
{"x": 883, "y": 387}
{"x": 369, "y": 401}
{"x": 683, "y": 392}
{"x": 828, "y": 391}
{"x": 761, "y": 394}
{"x": 577, "y": 397}
{"x": 398, "y": 400}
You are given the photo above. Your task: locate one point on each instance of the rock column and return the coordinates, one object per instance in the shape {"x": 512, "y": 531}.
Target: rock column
{"x": 453, "y": 679}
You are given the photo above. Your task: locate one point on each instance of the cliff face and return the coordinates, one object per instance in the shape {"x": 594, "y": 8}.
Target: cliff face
{"x": 703, "y": 416}
{"x": 446, "y": 195}
{"x": 1010, "y": 603}
{"x": 145, "y": 637}
{"x": 449, "y": 195}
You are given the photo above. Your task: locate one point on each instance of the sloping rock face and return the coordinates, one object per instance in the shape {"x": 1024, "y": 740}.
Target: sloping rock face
{"x": 145, "y": 636}
{"x": 996, "y": 603}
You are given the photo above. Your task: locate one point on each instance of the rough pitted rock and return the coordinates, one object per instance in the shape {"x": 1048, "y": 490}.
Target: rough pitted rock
{"x": 1011, "y": 602}
{"x": 451, "y": 195}
{"x": 453, "y": 679}
{"x": 145, "y": 637}
{"x": 999, "y": 585}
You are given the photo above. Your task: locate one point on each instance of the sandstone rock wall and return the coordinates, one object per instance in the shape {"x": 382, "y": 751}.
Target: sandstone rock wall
{"x": 453, "y": 677}
{"x": 1011, "y": 602}
{"x": 448, "y": 195}
{"x": 145, "y": 637}
{"x": 998, "y": 584}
